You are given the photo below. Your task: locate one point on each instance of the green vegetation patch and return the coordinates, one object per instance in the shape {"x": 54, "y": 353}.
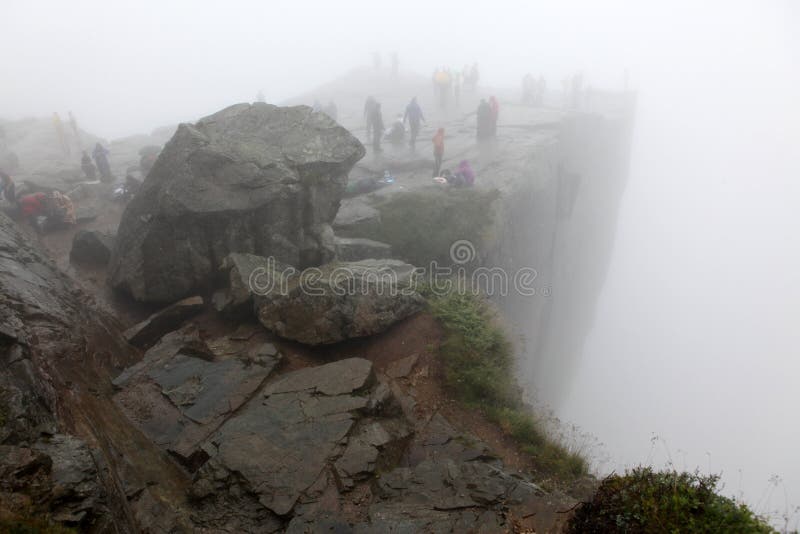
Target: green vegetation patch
{"x": 479, "y": 369}
{"x": 644, "y": 500}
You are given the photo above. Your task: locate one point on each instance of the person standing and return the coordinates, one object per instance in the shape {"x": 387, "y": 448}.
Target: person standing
{"x": 369, "y": 110}
{"x": 62, "y": 139}
{"x": 438, "y": 151}
{"x": 413, "y": 116}
{"x": 484, "y": 118}
{"x": 494, "y": 107}
{"x": 377, "y": 128}
{"x": 100, "y": 155}
{"x": 88, "y": 167}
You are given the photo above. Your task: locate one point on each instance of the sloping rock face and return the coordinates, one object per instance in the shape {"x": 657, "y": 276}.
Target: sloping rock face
{"x": 257, "y": 178}
{"x": 340, "y": 301}
{"x": 65, "y": 451}
{"x": 185, "y": 388}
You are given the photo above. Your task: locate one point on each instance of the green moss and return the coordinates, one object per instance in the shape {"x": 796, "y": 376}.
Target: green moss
{"x": 479, "y": 369}
{"x": 422, "y": 225}
{"x": 644, "y": 500}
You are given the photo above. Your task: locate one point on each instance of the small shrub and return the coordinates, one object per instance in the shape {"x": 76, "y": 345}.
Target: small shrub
{"x": 479, "y": 369}
{"x": 644, "y": 500}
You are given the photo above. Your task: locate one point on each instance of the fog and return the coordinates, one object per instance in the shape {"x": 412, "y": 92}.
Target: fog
{"x": 695, "y": 339}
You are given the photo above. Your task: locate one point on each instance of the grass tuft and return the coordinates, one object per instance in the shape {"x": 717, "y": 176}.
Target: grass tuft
{"x": 479, "y": 369}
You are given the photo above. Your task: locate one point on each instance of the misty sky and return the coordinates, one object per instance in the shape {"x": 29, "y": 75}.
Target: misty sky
{"x": 127, "y": 67}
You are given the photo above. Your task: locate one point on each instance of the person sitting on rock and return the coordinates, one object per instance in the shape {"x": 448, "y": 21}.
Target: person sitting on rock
{"x": 465, "y": 176}
{"x": 88, "y": 167}
{"x": 397, "y": 133}
{"x": 31, "y": 206}
{"x": 60, "y": 210}
{"x": 8, "y": 188}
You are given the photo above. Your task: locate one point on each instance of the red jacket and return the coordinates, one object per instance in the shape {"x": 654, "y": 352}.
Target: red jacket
{"x": 33, "y": 205}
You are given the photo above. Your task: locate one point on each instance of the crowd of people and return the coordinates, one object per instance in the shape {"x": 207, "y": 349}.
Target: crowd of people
{"x": 448, "y": 83}
{"x": 43, "y": 210}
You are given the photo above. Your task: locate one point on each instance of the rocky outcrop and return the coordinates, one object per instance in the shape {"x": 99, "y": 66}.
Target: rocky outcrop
{"x": 357, "y": 249}
{"x": 185, "y": 388}
{"x": 251, "y": 178}
{"x": 93, "y": 247}
{"x": 67, "y": 453}
{"x": 340, "y": 301}
{"x": 149, "y": 331}
{"x": 356, "y": 218}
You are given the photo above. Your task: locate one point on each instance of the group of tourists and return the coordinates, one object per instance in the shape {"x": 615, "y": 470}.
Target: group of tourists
{"x": 101, "y": 164}
{"x": 533, "y": 90}
{"x": 448, "y": 83}
{"x": 43, "y": 210}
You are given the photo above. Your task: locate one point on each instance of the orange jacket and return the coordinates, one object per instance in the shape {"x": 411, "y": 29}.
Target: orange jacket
{"x": 438, "y": 142}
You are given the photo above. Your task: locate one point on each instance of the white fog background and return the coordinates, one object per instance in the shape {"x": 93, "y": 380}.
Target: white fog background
{"x": 696, "y": 339}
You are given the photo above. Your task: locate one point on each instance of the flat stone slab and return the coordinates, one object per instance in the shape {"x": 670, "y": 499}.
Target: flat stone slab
{"x": 337, "y": 378}
{"x": 184, "y": 389}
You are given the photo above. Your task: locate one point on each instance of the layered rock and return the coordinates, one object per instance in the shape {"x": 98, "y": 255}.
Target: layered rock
{"x": 68, "y": 453}
{"x": 251, "y": 178}
{"x": 339, "y": 301}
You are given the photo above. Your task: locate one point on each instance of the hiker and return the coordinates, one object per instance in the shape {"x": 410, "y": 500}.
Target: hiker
{"x": 438, "y": 151}
{"x": 484, "y": 117}
{"x": 494, "y": 106}
{"x": 443, "y": 81}
{"x": 464, "y": 174}
{"x": 413, "y": 115}
{"x": 32, "y": 206}
{"x": 9, "y": 188}
{"x": 62, "y": 139}
{"x": 377, "y": 127}
{"x": 60, "y": 212}
{"x": 88, "y": 167}
{"x": 369, "y": 108}
{"x": 397, "y": 133}
{"x": 100, "y": 155}
{"x": 74, "y": 124}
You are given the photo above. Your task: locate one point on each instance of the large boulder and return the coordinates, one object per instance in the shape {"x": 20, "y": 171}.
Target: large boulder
{"x": 338, "y": 301}
{"x": 252, "y": 178}
{"x": 91, "y": 246}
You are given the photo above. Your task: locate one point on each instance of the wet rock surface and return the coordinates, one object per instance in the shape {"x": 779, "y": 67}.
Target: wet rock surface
{"x": 92, "y": 247}
{"x": 251, "y": 178}
{"x": 342, "y": 301}
{"x": 184, "y": 388}
{"x": 357, "y": 249}
{"x": 149, "y": 331}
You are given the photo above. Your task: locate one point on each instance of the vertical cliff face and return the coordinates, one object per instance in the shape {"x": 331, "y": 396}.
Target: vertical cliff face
{"x": 559, "y": 218}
